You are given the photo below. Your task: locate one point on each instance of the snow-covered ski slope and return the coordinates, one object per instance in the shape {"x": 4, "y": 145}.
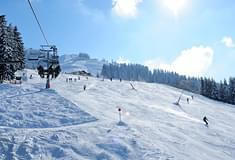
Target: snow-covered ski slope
{"x": 74, "y": 63}
{"x": 68, "y": 123}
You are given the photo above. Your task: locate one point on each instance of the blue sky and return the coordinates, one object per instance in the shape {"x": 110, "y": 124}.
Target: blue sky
{"x": 193, "y": 37}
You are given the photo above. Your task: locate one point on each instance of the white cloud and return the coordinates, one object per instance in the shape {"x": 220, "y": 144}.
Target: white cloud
{"x": 126, "y": 8}
{"x": 157, "y": 64}
{"x": 228, "y": 41}
{"x": 122, "y": 60}
{"x": 193, "y": 62}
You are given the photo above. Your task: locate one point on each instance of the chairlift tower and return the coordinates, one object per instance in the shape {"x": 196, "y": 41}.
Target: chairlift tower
{"x": 49, "y": 63}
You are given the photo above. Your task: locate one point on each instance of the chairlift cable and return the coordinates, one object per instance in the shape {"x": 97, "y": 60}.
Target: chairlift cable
{"x": 51, "y": 62}
{"x": 40, "y": 27}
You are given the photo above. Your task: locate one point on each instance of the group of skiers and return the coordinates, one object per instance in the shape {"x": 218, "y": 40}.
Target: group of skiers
{"x": 72, "y": 79}
{"x": 188, "y": 99}
{"x": 75, "y": 80}
{"x": 111, "y": 79}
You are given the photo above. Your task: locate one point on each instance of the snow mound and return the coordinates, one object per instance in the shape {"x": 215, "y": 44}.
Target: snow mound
{"x": 32, "y": 107}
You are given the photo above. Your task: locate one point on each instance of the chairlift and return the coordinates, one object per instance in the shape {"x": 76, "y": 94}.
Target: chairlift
{"x": 52, "y": 61}
{"x": 41, "y": 55}
{"x": 49, "y": 64}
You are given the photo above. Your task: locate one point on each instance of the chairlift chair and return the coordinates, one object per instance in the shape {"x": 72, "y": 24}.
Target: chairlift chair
{"x": 49, "y": 65}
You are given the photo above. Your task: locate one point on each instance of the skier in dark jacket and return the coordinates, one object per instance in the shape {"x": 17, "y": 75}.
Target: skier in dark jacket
{"x": 205, "y": 120}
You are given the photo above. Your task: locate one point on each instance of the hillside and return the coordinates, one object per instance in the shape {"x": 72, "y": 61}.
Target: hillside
{"x": 68, "y": 62}
{"x": 73, "y": 63}
{"x": 66, "y": 122}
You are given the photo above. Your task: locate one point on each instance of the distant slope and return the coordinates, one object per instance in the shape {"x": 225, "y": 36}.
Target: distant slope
{"x": 152, "y": 127}
{"x": 69, "y": 62}
{"x": 73, "y": 62}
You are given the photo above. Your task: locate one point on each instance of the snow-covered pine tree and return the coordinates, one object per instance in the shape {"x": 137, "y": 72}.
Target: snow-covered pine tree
{"x": 232, "y": 90}
{"x": 18, "y": 49}
{"x": 139, "y": 72}
{"x": 221, "y": 92}
{"x": 203, "y": 86}
{"x": 11, "y": 67}
{"x": 209, "y": 87}
{"x": 3, "y": 48}
{"x": 11, "y": 50}
{"x": 226, "y": 94}
{"x": 215, "y": 90}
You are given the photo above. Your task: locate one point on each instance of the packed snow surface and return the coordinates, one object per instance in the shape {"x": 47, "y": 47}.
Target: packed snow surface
{"x": 68, "y": 123}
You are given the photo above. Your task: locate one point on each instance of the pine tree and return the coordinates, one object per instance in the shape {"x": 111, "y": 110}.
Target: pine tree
{"x": 11, "y": 50}
{"x": 11, "y": 67}
{"x": 18, "y": 49}
{"x": 221, "y": 92}
{"x": 232, "y": 90}
{"x": 214, "y": 91}
{"x": 3, "y": 48}
{"x": 203, "y": 87}
{"x": 226, "y": 94}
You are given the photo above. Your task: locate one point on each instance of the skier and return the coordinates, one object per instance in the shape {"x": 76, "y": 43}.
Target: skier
{"x": 120, "y": 114}
{"x": 192, "y": 96}
{"x": 188, "y": 100}
{"x": 205, "y": 120}
{"x": 84, "y": 87}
